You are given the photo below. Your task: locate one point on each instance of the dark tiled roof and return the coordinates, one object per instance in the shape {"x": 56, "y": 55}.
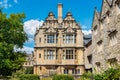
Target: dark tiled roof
{"x": 87, "y": 38}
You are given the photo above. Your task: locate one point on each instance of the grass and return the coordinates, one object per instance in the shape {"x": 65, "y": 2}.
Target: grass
{"x": 15, "y": 79}
{"x": 49, "y": 78}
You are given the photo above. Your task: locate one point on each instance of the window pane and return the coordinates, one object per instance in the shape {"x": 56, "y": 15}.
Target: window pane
{"x": 69, "y": 39}
{"x": 50, "y": 39}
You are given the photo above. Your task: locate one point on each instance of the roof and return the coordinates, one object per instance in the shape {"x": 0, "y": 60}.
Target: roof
{"x": 87, "y": 38}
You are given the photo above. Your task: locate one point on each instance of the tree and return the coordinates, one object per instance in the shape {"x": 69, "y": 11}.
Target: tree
{"x": 11, "y": 35}
{"x": 29, "y": 70}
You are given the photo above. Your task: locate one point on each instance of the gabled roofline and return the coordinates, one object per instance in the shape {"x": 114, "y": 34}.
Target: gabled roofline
{"x": 102, "y": 6}
{"x": 95, "y": 11}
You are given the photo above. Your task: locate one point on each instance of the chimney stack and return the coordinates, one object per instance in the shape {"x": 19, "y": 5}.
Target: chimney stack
{"x": 60, "y": 12}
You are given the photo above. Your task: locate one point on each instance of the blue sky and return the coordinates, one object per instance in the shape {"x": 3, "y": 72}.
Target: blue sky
{"x": 37, "y": 10}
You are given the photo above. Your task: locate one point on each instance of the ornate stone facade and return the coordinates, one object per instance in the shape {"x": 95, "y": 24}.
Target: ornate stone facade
{"x": 59, "y": 46}
{"x": 106, "y": 35}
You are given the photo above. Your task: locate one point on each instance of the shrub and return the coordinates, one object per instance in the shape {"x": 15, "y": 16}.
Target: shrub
{"x": 29, "y": 70}
{"x": 87, "y": 76}
{"x": 110, "y": 74}
{"x": 29, "y": 77}
{"x": 63, "y": 77}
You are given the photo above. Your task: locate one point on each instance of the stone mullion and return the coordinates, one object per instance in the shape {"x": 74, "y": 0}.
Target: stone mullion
{"x": 74, "y": 54}
{"x": 46, "y": 38}
{"x": 73, "y": 38}
{"x": 55, "y": 38}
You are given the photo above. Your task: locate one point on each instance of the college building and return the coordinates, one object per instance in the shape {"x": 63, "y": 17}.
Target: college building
{"x": 103, "y": 51}
{"x": 59, "y": 46}
{"x": 59, "y": 43}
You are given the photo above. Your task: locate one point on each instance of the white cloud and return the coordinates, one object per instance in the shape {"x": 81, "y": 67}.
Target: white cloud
{"x": 25, "y": 48}
{"x": 31, "y": 25}
{"x": 30, "y": 28}
{"x": 87, "y": 32}
{"x": 5, "y": 4}
{"x": 84, "y": 27}
{"x": 16, "y": 1}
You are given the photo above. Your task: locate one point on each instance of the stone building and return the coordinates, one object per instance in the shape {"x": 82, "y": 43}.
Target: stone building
{"x": 106, "y": 35}
{"x": 29, "y": 61}
{"x": 88, "y": 56}
{"x": 59, "y": 46}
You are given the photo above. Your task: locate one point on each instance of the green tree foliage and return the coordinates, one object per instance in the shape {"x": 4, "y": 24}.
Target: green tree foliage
{"x": 29, "y": 77}
{"x": 29, "y": 70}
{"x": 110, "y": 74}
{"x": 11, "y": 35}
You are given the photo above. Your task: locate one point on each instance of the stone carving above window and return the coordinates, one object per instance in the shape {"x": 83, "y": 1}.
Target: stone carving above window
{"x": 50, "y": 30}
{"x": 69, "y": 30}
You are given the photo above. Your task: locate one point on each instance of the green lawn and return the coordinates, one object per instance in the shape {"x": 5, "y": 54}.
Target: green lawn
{"x": 46, "y": 78}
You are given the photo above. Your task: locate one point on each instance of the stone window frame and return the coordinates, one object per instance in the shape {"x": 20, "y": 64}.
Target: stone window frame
{"x": 40, "y": 39}
{"x": 50, "y": 38}
{"x": 112, "y": 62}
{"x": 89, "y": 57}
{"x": 99, "y": 45}
{"x": 69, "y": 38}
{"x": 95, "y": 29}
{"x": 39, "y": 55}
{"x": 113, "y": 37}
{"x": 49, "y": 55}
{"x": 75, "y": 71}
{"x": 69, "y": 56}
{"x": 66, "y": 71}
{"x": 98, "y": 65}
{"x": 55, "y": 39}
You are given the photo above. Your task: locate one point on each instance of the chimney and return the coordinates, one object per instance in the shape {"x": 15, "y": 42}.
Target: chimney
{"x": 59, "y": 12}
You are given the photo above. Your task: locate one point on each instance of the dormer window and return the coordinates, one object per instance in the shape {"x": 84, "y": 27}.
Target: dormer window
{"x": 69, "y": 39}
{"x": 95, "y": 30}
{"x": 113, "y": 38}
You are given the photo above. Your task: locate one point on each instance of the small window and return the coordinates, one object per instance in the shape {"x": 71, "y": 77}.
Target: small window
{"x": 112, "y": 62}
{"x": 89, "y": 59}
{"x": 56, "y": 54}
{"x": 95, "y": 30}
{"x": 39, "y": 39}
{"x": 40, "y": 55}
{"x": 50, "y": 38}
{"x": 40, "y": 68}
{"x": 113, "y": 38}
{"x": 97, "y": 64}
{"x": 99, "y": 46}
{"x": 66, "y": 71}
{"x": 75, "y": 71}
{"x": 78, "y": 71}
